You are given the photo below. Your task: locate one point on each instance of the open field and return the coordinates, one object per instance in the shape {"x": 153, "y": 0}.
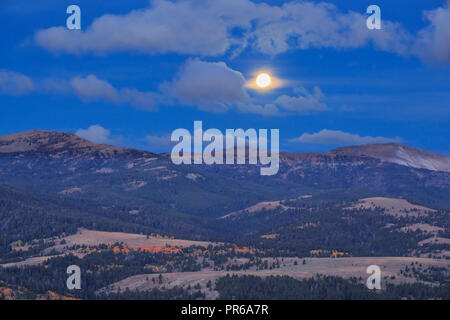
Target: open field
{"x": 434, "y": 240}
{"x": 424, "y": 227}
{"x": 95, "y": 238}
{"x": 392, "y": 206}
{"x": 28, "y": 262}
{"x": 343, "y": 267}
{"x": 266, "y": 205}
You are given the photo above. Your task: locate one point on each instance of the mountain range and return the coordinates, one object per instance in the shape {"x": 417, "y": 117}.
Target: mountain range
{"x": 70, "y": 167}
{"x": 145, "y": 189}
{"x": 72, "y": 201}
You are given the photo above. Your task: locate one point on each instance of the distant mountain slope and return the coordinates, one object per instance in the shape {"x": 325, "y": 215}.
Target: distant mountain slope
{"x": 26, "y": 216}
{"x": 137, "y": 181}
{"x": 399, "y": 154}
{"x": 143, "y": 184}
{"x": 58, "y": 182}
{"x": 59, "y": 144}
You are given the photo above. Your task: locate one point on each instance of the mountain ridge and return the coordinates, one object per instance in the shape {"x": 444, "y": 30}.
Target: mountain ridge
{"x": 59, "y": 144}
{"x": 399, "y": 154}
{"x": 65, "y": 165}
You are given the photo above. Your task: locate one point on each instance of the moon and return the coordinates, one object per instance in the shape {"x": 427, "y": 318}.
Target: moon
{"x": 263, "y": 80}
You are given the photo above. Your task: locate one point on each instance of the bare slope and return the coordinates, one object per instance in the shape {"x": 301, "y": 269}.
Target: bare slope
{"x": 58, "y": 144}
{"x": 395, "y": 207}
{"x": 342, "y": 267}
{"x": 95, "y": 238}
{"x": 399, "y": 154}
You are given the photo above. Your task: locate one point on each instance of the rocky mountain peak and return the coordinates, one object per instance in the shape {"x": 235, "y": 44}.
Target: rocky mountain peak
{"x": 399, "y": 154}
{"x": 58, "y": 144}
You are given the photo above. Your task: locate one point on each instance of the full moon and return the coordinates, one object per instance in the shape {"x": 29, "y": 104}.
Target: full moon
{"x": 263, "y": 80}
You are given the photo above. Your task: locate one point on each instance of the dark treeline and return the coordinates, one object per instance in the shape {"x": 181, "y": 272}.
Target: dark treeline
{"x": 328, "y": 226}
{"x": 320, "y": 288}
{"x": 99, "y": 270}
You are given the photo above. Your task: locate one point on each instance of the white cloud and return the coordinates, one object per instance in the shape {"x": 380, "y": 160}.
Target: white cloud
{"x": 302, "y": 103}
{"x": 95, "y": 134}
{"x": 215, "y": 87}
{"x": 266, "y": 110}
{"x": 209, "y": 85}
{"x": 304, "y": 25}
{"x": 159, "y": 143}
{"x": 55, "y": 86}
{"x": 91, "y": 88}
{"x": 14, "y": 83}
{"x": 204, "y": 28}
{"x": 433, "y": 42}
{"x": 337, "y": 137}
{"x": 186, "y": 27}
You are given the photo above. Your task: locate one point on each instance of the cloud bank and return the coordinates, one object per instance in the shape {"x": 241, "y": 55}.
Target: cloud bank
{"x": 337, "y": 137}
{"x": 207, "y": 28}
{"x": 208, "y": 86}
{"x": 88, "y": 89}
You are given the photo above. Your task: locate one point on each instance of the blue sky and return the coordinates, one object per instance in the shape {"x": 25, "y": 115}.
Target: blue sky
{"x": 140, "y": 69}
